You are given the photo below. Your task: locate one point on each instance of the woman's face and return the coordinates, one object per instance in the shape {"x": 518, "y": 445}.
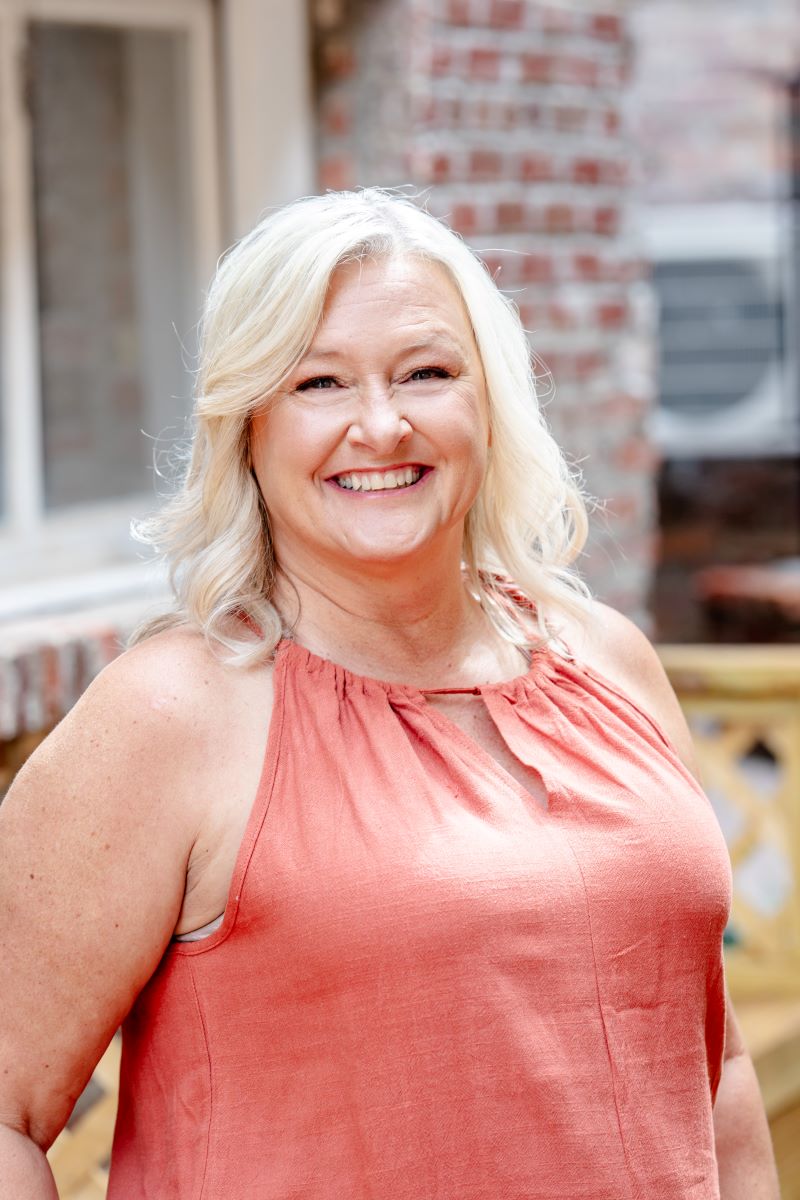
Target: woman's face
{"x": 375, "y": 450}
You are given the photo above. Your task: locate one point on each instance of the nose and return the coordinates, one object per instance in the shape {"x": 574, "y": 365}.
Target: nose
{"x": 378, "y": 423}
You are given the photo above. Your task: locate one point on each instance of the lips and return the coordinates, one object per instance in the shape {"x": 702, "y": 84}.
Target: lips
{"x": 388, "y": 479}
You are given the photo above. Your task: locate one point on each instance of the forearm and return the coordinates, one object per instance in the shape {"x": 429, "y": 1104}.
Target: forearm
{"x": 744, "y": 1149}
{"x": 24, "y": 1170}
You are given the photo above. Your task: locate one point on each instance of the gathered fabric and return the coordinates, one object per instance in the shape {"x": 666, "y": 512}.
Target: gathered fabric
{"x": 429, "y": 986}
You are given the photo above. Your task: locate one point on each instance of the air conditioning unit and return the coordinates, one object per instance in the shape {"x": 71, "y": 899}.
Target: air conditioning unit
{"x": 725, "y": 285}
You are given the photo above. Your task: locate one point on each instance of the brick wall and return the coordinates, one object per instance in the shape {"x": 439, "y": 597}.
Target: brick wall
{"x": 45, "y": 665}
{"x": 709, "y": 100}
{"x": 511, "y": 113}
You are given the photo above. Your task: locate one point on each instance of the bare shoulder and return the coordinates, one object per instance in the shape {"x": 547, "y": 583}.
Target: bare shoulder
{"x": 617, "y": 649}
{"x": 96, "y": 835}
{"x": 170, "y": 688}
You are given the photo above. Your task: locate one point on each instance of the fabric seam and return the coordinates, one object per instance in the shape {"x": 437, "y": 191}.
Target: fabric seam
{"x": 612, "y": 1072}
{"x": 201, "y": 1019}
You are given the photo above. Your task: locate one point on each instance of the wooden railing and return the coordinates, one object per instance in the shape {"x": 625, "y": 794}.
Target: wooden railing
{"x": 743, "y": 706}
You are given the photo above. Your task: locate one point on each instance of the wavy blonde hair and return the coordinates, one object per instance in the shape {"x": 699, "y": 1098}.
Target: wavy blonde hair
{"x": 528, "y": 523}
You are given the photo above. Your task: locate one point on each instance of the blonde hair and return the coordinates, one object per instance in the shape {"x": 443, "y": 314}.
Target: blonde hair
{"x": 528, "y": 523}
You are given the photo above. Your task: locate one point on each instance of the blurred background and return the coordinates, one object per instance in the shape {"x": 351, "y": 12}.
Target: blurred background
{"x": 630, "y": 172}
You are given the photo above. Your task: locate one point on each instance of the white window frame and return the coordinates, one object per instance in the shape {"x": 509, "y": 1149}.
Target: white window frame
{"x": 267, "y": 157}
{"x": 29, "y": 535}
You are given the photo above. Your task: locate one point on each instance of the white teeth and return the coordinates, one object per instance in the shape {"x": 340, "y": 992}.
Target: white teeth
{"x": 375, "y": 481}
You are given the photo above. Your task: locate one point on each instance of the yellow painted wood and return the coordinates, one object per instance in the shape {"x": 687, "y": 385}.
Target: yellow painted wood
{"x": 734, "y": 697}
{"x": 771, "y": 1030}
{"x": 785, "y": 1130}
{"x": 79, "y": 1154}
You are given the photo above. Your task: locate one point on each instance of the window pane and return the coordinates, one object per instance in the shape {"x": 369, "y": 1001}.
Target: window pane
{"x": 113, "y": 253}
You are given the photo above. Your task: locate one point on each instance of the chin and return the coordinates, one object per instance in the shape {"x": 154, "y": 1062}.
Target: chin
{"x": 387, "y": 554}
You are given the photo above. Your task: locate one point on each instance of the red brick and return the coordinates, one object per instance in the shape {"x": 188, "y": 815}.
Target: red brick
{"x": 587, "y": 266}
{"x": 426, "y": 111}
{"x": 586, "y": 170}
{"x": 622, "y": 507}
{"x": 485, "y": 165}
{"x": 490, "y": 114}
{"x": 636, "y": 453}
{"x": 622, "y": 407}
{"x": 538, "y": 68}
{"x": 529, "y": 114}
{"x": 439, "y": 168}
{"x": 510, "y": 217}
{"x": 558, "y": 20}
{"x": 458, "y": 12}
{"x": 608, "y": 26}
{"x": 538, "y": 268}
{"x": 588, "y": 363}
{"x": 606, "y": 221}
{"x": 483, "y": 64}
{"x": 612, "y": 314}
{"x": 454, "y": 108}
{"x": 337, "y": 117}
{"x": 560, "y": 68}
{"x": 534, "y": 168}
{"x": 561, "y": 316}
{"x": 560, "y": 218}
{"x": 507, "y": 14}
{"x": 531, "y": 315}
{"x": 617, "y": 173}
{"x": 583, "y": 71}
{"x": 464, "y": 219}
{"x": 495, "y": 265}
{"x": 441, "y": 59}
{"x": 612, "y": 120}
{"x": 570, "y": 117}
{"x": 337, "y": 174}
{"x": 338, "y": 59}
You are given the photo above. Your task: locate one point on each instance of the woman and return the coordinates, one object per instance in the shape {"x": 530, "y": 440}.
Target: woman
{"x": 466, "y": 940}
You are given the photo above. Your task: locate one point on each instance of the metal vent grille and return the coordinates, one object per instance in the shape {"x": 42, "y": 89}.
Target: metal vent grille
{"x": 721, "y": 333}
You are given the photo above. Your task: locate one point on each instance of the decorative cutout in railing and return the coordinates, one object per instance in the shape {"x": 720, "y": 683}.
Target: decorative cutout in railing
{"x": 743, "y": 707}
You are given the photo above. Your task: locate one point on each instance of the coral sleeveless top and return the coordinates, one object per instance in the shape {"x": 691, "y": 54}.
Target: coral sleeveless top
{"x": 429, "y": 986}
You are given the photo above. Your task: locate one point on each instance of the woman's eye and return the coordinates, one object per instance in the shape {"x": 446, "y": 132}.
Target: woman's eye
{"x": 318, "y": 383}
{"x": 424, "y": 373}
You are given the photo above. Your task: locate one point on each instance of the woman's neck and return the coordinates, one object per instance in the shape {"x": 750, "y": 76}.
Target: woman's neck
{"x": 411, "y": 628}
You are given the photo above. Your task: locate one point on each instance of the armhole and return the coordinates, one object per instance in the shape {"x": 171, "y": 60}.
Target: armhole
{"x": 253, "y": 828}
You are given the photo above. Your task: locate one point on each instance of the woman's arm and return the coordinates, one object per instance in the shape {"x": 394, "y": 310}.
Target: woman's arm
{"x": 622, "y": 653}
{"x": 94, "y": 843}
{"x": 24, "y": 1169}
{"x": 744, "y": 1150}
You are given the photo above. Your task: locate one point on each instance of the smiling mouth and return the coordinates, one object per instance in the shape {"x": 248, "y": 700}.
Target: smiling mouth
{"x": 380, "y": 481}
